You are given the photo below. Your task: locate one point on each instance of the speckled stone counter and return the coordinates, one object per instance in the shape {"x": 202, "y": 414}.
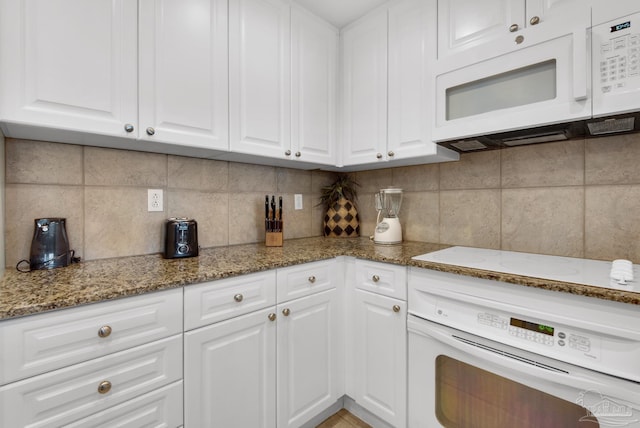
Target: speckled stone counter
{"x": 98, "y": 280}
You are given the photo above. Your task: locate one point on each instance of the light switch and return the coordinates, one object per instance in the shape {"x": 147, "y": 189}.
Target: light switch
{"x": 297, "y": 201}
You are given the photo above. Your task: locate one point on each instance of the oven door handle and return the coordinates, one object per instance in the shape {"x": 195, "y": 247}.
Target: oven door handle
{"x": 531, "y": 368}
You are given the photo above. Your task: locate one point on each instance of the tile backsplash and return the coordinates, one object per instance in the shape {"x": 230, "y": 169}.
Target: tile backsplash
{"x": 576, "y": 198}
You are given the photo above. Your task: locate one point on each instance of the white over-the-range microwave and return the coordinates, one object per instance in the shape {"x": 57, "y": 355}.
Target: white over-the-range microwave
{"x": 555, "y": 79}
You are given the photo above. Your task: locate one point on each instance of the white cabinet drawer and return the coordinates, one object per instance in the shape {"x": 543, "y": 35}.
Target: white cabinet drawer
{"x": 63, "y": 396}
{"x": 305, "y": 279}
{"x": 382, "y": 278}
{"x": 161, "y": 408}
{"x": 226, "y": 298}
{"x": 36, "y": 344}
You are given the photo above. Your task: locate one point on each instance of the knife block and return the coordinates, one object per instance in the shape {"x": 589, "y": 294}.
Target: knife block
{"x": 274, "y": 239}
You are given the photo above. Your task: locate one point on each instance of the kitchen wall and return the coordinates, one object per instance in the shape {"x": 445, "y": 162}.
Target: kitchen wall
{"x": 2, "y": 205}
{"x": 577, "y": 198}
{"x": 103, "y": 195}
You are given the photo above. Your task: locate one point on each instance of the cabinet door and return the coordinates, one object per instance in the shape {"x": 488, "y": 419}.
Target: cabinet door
{"x": 230, "y": 373}
{"x": 308, "y": 357}
{"x": 364, "y": 102}
{"x": 468, "y": 24}
{"x": 314, "y": 58}
{"x": 380, "y": 356}
{"x": 183, "y": 72}
{"x": 259, "y": 77}
{"x": 69, "y": 64}
{"x": 412, "y": 46}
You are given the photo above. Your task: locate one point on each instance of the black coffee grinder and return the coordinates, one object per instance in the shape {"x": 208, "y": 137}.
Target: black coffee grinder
{"x": 50, "y": 245}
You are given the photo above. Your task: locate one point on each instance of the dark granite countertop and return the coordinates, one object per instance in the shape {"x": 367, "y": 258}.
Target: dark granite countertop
{"x": 98, "y": 280}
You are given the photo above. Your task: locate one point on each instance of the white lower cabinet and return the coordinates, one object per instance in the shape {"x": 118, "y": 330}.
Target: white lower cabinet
{"x": 308, "y": 357}
{"x": 230, "y": 373}
{"x": 380, "y": 356}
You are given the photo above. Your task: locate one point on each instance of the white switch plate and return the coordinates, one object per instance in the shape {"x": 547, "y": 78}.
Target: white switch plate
{"x": 154, "y": 200}
{"x": 297, "y": 201}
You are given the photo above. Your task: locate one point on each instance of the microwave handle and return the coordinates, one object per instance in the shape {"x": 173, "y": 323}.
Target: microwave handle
{"x": 580, "y": 65}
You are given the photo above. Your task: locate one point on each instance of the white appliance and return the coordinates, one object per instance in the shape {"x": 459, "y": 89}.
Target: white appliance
{"x": 388, "y": 228}
{"x": 539, "y": 75}
{"x": 488, "y": 353}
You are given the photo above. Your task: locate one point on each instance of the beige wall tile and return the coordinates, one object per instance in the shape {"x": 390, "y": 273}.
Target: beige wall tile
{"x": 612, "y": 226}
{"x": 417, "y": 178}
{"x": 538, "y": 165}
{"x": 473, "y": 171}
{"x": 118, "y": 224}
{"x": 2, "y": 202}
{"x": 210, "y": 210}
{"x": 420, "y": 216}
{"x": 367, "y": 213}
{"x": 544, "y": 220}
{"x": 613, "y": 160}
{"x": 373, "y": 181}
{"x": 317, "y": 215}
{"x": 197, "y": 174}
{"x": 293, "y": 181}
{"x": 297, "y": 222}
{"x": 245, "y": 177}
{"x": 319, "y": 179}
{"x": 26, "y": 202}
{"x": 41, "y": 162}
{"x": 470, "y": 217}
{"x": 246, "y": 218}
{"x": 109, "y": 167}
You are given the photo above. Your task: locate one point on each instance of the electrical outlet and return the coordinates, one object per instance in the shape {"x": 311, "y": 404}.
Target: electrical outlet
{"x": 297, "y": 201}
{"x": 154, "y": 200}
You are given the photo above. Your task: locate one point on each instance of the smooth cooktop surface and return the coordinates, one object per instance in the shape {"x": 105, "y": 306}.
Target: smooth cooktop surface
{"x": 565, "y": 269}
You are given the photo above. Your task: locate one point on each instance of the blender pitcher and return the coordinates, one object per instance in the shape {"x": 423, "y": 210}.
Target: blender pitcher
{"x": 388, "y": 229}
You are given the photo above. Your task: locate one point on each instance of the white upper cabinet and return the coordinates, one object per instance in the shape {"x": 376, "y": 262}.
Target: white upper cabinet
{"x": 69, "y": 64}
{"x": 314, "y": 74}
{"x": 259, "y": 77}
{"x": 480, "y": 30}
{"x": 364, "y": 88}
{"x": 388, "y": 98}
{"x": 184, "y": 72}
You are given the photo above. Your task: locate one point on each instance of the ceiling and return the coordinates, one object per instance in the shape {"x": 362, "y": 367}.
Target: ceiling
{"x": 340, "y": 12}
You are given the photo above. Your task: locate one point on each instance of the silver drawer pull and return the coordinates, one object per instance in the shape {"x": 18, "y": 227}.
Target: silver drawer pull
{"x": 375, "y": 278}
{"x": 238, "y": 297}
{"x": 272, "y": 316}
{"x": 104, "y": 331}
{"x": 104, "y": 387}
{"x": 312, "y": 279}
{"x": 286, "y": 312}
{"x": 396, "y": 308}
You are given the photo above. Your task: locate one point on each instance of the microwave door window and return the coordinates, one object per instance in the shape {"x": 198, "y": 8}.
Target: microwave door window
{"x": 523, "y": 86}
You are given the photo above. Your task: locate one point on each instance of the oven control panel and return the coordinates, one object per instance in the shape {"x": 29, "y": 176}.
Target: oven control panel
{"x": 535, "y": 334}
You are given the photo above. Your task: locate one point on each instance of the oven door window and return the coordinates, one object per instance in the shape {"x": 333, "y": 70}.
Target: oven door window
{"x": 467, "y": 396}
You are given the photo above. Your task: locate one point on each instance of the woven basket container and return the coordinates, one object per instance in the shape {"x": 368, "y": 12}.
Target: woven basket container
{"x": 341, "y": 220}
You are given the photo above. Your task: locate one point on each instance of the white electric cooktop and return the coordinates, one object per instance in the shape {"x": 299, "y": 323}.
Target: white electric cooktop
{"x": 566, "y": 269}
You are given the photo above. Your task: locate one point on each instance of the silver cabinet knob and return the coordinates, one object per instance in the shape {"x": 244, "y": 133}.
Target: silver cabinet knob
{"x": 375, "y": 278}
{"x": 379, "y": 156}
{"x": 513, "y": 28}
{"x": 391, "y": 154}
{"x": 104, "y": 387}
{"x": 312, "y": 279}
{"x": 238, "y": 297}
{"x": 150, "y": 131}
{"x": 272, "y": 316}
{"x": 396, "y": 308}
{"x": 287, "y": 153}
{"x": 298, "y": 154}
{"x": 519, "y": 39}
{"x": 128, "y": 127}
{"x": 104, "y": 331}
{"x": 286, "y": 312}
{"x": 535, "y": 20}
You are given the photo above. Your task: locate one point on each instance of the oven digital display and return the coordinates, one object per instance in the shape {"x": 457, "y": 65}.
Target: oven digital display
{"x": 528, "y": 325}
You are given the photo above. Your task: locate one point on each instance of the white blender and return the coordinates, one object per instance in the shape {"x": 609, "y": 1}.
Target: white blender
{"x": 388, "y": 202}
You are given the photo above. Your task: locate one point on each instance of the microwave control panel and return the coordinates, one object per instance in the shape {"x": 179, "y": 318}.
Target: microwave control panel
{"x": 617, "y": 55}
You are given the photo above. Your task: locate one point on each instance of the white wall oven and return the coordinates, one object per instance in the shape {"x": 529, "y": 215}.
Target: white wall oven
{"x": 486, "y": 354}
